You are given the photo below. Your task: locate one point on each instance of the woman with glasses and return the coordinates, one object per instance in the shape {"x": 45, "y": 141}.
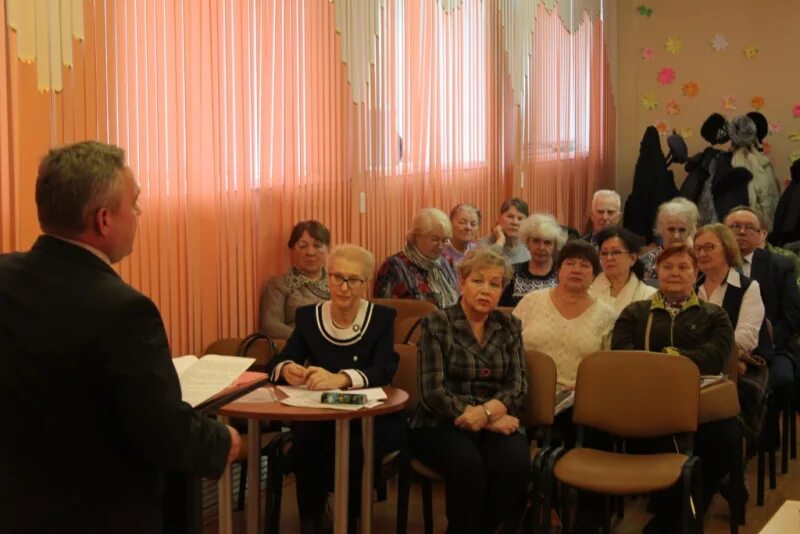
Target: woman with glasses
{"x": 721, "y": 283}
{"x": 465, "y": 219}
{"x": 305, "y": 283}
{"x": 420, "y": 271}
{"x": 472, "y": 389}
{"x": 345, "y": 342}
{"x": 620, "y": 283}
{"x": 544, "y": 237}
{"x": 676, "y": 222}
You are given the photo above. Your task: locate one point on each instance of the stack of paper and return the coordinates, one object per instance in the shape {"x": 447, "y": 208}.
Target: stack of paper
{"x": 203, "y": 378}
{"x": 710, "y": 380}
{"x": 306, "y": 398}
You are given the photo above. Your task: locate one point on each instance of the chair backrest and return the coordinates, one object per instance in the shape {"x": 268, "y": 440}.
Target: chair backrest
{"x": 228, "y": 346}
{"x": 540, "y": 401}
{"x": 637, "y": 393}
{"x": 408, "y": 330}
{"x": 407, "y": 375}
{"x": 406, "y": 308}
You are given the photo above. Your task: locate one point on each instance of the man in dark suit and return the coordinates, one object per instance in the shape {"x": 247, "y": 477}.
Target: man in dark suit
{"x": 91, "y": 400}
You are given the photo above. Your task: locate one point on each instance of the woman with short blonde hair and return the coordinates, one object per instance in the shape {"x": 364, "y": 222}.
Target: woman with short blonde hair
{"x": 544, "y": 237}
{"x": 420, "y": 271}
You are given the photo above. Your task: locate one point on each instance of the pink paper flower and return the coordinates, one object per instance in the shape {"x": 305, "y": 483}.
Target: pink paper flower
{"x": 796, "y": 111}
{"x": 666, "y": 76}
{"x": 775, "y": 127}
{"x": 647, "y": 53}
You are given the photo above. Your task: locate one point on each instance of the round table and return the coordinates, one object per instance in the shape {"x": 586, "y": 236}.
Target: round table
{"x": 255, "y": 412}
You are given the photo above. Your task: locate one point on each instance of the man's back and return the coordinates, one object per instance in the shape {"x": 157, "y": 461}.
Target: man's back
{"x": 91, "y": 398}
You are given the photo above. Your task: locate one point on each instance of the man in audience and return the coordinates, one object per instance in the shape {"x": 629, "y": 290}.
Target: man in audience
{"x": 606, "y": 206}
{"x": 94, "y": 415}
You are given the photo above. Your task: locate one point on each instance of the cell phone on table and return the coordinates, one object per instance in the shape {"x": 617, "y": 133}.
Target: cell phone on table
{"x": 332, "y": 397}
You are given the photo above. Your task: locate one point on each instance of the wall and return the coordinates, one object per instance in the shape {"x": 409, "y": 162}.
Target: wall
{"x": 774, "y": 73}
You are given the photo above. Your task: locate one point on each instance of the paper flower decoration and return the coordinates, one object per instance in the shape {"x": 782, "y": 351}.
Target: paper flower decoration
{"x": 796, "y": 111}
{"x": 690, "y": 89}
{"x": 645, "y": 11}
{"x": 750, "y": 52}
{"x": 672, "y": 108}
{"x": 729, "y": 103}
{"x": 719, "y": 42}
{"x": 662, "y": 127}
{"x": 767, "y": 148}
{"x": 666, "y": 76}
{"x": 647, "y": 53}
{"x": 674, "y": 45}
{"x": 757, "y": 102}
{"x": 686, "y": 133}
{"x": 775, "y": 127}
{"x": 794, "y": 156}
{"x": 649, "y": 101}
{"x": 794, "y": 136}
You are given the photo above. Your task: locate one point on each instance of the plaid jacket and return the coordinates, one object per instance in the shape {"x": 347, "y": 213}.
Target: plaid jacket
{"x": 455, "y": 371}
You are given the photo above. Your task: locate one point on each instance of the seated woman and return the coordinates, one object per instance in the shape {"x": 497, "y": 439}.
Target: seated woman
{"x": 676, "y": 222}
{"x": 620, "y": 283}
{"x": 345, "y": 342}
{"x": 566, "y": 322}
{"x": 505, "y": 237}
{"x": 720, "y": 283}
{"x": 674, "y": 321}
{"x": 465, "y": 219}
{"x": 420, "y": 271}
{"x": 472, "y": 388}
{"x": 544, "y": 237}
{"x": 305, "y": 283}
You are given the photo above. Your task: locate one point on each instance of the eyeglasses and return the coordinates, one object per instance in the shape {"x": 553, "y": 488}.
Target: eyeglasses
{"x": 352, "y": 282}
{"x": 708, "y": 248}
{"x": 540, "y": 241}
{"x": 749, "y": 228}
{"x": 612, "y": 253}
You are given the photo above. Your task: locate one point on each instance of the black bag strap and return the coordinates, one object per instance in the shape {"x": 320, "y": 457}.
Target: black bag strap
{"x": 247, "y": 342}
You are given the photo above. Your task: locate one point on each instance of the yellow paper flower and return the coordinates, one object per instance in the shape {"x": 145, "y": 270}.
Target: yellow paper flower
{"x": 757, "y": 102}
{"x": 750, "y": 52}
{"x": 674, "y": 45}
{"x": 794, "y": 136}
{"x": 649, "y": 101}
{"x": 662, "y": 127}
{"x": 686, "y": 133}
{"x": 672, "y": 108}
{"x": 691, "y": 88}
{"x": 729, "y": 103}
{"x": 794, "y": 156}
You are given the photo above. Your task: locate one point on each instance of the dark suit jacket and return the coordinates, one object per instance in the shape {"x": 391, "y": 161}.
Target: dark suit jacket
{"x": 775, "y": 274}
{"x": 91, "y": 401}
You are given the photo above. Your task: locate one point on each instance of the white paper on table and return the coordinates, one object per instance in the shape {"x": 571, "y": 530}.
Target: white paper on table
{"x": 301, "y": 392}
{"x": 202, "y": 378}
{"x": 306, "y": 403}
{"x": 266, "y": 394}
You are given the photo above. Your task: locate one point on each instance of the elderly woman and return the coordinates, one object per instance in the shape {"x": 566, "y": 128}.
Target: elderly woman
{"x": 420, "y": 271}
{"x": 472, "y": 387}
{"x": 676, "y": 322}
{"x": 505, "y": 236}
{"x": 305, "y": 283}
{"x": 344, "y": 342}
{"x": 544, "y": 237}
{"x": 465, "y": 219}
{"x": 721, "y": 283}
{"x": 620, "y": 283}
{"x": 676, "y": 222}
{"x": 565, "y": 321}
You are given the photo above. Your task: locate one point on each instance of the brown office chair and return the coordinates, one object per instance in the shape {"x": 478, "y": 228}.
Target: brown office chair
{"x": 405, "y": 308}
{"x": 540, "y": 401}
{"x": 407, "y": 379}
{"x": 634, "y": 394}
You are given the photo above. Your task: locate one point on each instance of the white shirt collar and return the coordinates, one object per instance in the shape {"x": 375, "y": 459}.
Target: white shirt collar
{"x": 734, "y": 278}
{"x": 99, "y": 253}
{"x": 749, "y": 258}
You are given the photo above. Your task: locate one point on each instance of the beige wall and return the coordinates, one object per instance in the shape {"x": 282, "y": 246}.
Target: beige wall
{"x": 773, "y": 26}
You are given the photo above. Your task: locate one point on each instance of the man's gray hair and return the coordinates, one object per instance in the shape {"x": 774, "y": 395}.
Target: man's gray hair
{"x": 600, "y": 193}
{"x": 74, "y": 181}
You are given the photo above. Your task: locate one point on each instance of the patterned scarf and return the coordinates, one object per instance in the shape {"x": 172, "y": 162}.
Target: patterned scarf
{"x": 318, "y": 288}
{"x": 444, "y": 293}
